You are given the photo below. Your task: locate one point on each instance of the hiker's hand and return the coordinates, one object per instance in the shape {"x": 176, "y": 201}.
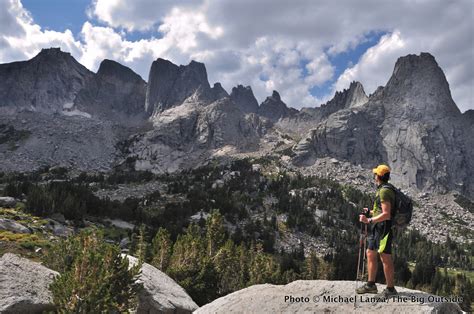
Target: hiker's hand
{"x": 364, "y": 219}
{"x": 365, "y": 210}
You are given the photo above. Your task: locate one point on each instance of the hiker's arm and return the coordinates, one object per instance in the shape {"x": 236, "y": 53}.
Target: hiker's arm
{"x": 385, "y": 215}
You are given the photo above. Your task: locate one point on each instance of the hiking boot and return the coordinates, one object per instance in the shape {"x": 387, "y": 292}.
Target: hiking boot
{"x": 367, "y": 289}
{"x": 387, "y": 293}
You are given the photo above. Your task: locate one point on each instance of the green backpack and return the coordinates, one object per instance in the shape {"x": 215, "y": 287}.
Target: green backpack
{"x": 403, "y": 210}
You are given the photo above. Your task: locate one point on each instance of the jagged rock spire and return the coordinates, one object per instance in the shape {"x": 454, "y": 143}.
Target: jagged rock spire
{"x": 244, "y": 98}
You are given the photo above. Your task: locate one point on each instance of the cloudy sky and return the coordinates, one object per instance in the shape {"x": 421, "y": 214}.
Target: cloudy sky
{"x": 305, "y": 49}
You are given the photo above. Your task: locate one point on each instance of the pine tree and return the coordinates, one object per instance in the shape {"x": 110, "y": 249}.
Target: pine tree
{"x": 161, "y": 249}
{"x": 141, "y": 252}
{"x": 244, "y": 261}
{"x": 311, "y": 267}
{"x": 97, "y": 279}
{"x": 215, "y": 232}
{"x": 227, "y": 265}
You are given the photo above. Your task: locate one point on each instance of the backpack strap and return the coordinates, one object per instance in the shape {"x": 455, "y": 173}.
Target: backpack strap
{"x": 389, "y": 186}
{"x": 395, "y": 190}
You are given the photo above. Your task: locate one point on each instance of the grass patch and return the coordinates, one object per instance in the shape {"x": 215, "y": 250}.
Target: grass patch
{"x": 26, "y": 240}
{"x": 21, "y": 217}
{"x": 453, "y": 272}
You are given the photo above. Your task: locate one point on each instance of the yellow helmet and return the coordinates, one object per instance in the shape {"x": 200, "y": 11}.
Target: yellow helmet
{"x": 381, "y": 170}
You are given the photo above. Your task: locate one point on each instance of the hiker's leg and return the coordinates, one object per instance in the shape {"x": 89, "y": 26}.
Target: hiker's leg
{"x": 371, "y": 264}
{"x": 388, "y": 268}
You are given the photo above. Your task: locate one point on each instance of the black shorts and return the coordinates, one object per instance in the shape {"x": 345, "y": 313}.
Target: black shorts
{"x": 380, "y": 237}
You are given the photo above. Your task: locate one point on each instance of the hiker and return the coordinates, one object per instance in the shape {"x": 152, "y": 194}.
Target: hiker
{"x": 380, "y": 234}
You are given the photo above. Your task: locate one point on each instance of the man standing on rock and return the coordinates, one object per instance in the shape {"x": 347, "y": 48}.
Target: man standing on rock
{"x": 380, "y": 234}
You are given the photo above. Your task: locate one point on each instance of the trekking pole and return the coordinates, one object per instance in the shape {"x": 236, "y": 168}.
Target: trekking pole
{"x": 362, "y": 249}
{"x": 358, "y": 261}
{"x": 364, "y": 252}
{"x": 358, "y": 258}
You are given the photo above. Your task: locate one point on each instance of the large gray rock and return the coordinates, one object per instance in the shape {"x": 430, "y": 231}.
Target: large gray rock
{"x": 13, "y": 226}
{"x": 59, "y": 229}
{"x": 7, "y": 201}
{"x": 269, "y": 298}
{"x": 161, "y": 294}
{"x": 24, "y": 285}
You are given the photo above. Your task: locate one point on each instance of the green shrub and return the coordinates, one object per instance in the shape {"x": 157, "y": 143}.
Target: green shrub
{"x": 94, "y": 278}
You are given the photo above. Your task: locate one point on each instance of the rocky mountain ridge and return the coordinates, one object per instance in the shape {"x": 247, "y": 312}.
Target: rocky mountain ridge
{"x": 412, "y": 123}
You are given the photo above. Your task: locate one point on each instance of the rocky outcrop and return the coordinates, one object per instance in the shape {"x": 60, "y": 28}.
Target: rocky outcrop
{"x": 185, "y": 135}
{"x": 243, "y": 97}
{"x": 7, "y": 201}
{"x": 308, "y": 118}
{"x": 24, "y": 285}
{"x": 346, "y": 134}
{"x": 169, "y": 85}
{"x": 160, "y": 293}
{"x": 46, "y": 83}
{"x": 115, "y": 92}
{"x": 412, "y": 124}
{"x": 321, "y": 296}
{"x": 54, "y": 139}
{"x": 352, "y": 97}
{"x": 12, "y": 226}
{"x": 58, "y": 229}
{"x": 274, "y": 108}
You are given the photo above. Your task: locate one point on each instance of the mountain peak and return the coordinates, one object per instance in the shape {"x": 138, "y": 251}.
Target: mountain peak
{"x": 356, "y": 95}
{"x": 420, "y": 85}
{"x": 415, "y": 62}
{"x": 112, "y": 68}
{"x": 169, "y": 85}
{"x": 274, "y": 108}
{"x": 52, "y": 52}
{"x": 44, "y": 83}
{"x": 276, "y": 96}
{"x": 244, "y": 98}
{"x": 218, "y": 92}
